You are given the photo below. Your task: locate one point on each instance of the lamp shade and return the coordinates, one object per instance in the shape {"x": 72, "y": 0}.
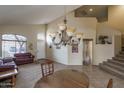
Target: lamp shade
{"x": 70, "y": 31}
{"x": 62, "y": 27}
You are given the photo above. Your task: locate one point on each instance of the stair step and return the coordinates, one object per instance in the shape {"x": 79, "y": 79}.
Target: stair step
{"x": 120, "y": 55}
{"x": 110, "y": 64}
{"x": 116, "y": 62}
{"x": 122, "y": 52}
{"x": 118, "y": 58}
{"x": 122, "y": 48}
{"x": 112, "y": 70}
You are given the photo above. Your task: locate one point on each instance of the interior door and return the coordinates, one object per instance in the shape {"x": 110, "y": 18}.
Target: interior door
{"x": 40, "y": 49}
{"x": 87, "y": 51}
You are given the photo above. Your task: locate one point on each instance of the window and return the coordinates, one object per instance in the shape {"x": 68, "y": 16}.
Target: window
{"x": 12, "y": 44}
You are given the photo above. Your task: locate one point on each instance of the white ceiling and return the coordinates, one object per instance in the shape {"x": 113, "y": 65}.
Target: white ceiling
{"x": 32, "y": 14}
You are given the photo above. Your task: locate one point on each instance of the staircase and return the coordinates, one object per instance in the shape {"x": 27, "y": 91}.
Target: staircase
{"x": 115, "y": 65}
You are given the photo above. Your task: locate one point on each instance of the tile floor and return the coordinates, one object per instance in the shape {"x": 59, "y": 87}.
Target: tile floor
{"x": 29, "y": 74}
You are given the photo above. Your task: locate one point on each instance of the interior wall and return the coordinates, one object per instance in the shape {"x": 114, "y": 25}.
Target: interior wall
{"x": 58, "y": 55}
{"x": 87, "y": 25}
{"x": 117, "y": 44}
{"x": 30, "y": 32}
{"x": 107, "y": 51}
{"x": 65, "y": 55}
{"x": 116, "y": 17}
{"x": 116, "y": 21}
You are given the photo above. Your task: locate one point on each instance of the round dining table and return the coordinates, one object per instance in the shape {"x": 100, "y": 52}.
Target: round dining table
{"x": 67, "y": 78}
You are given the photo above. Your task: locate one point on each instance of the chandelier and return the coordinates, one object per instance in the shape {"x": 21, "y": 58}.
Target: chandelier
{"x": 66, "y": 35}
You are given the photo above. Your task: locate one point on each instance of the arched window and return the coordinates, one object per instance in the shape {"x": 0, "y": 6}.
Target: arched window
{"x": 12, "y": 44}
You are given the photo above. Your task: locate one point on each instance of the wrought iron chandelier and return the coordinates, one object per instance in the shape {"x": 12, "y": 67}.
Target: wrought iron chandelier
{"x": 66, "y": 35}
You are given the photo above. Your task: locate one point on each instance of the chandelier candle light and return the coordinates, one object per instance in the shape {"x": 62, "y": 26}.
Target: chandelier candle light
{"x": 66, "y": 35}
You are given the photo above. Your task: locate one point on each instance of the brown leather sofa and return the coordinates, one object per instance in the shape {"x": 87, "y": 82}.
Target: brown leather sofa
{"x": 23, "y": 58}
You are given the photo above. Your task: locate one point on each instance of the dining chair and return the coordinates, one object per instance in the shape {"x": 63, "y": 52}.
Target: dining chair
{"x": 47, "y": 68}
{"x": 110, "y": 83}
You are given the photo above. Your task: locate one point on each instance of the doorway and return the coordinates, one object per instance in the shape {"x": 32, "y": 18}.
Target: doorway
{"x": 40, "y": 46}
{"x": 87, "y": 51}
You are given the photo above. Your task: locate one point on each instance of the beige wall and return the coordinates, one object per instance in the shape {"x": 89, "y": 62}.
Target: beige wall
{"x": 117, "y": 44}
{"x": 107, "y": 51}
{"x": 29, "y": 31}
{"x": 58, "y": 55}
{"x": 116, "y": 17}
{"x": 88, "y": 27}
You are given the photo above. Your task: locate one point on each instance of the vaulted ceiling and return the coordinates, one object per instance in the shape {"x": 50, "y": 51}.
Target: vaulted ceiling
{"x": 100, "y": 12}
{"x": 43, "y": 14}
{"x": 32, "y": 14}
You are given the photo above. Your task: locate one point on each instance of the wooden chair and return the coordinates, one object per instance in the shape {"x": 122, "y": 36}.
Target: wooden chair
{"x": 110, "y": 83}
{"x": 47, "y": 68}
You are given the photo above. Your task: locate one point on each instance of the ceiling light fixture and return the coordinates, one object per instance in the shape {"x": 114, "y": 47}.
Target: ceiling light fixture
{"x": 66, "y": 35}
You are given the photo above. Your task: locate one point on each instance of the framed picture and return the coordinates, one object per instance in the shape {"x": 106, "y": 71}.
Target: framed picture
{"x": 75, "y": 48}
{"x": 103, "y": 39}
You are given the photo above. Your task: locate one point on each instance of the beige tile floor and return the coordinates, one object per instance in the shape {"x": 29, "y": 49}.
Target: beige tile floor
{"x": 29, "y": 74}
